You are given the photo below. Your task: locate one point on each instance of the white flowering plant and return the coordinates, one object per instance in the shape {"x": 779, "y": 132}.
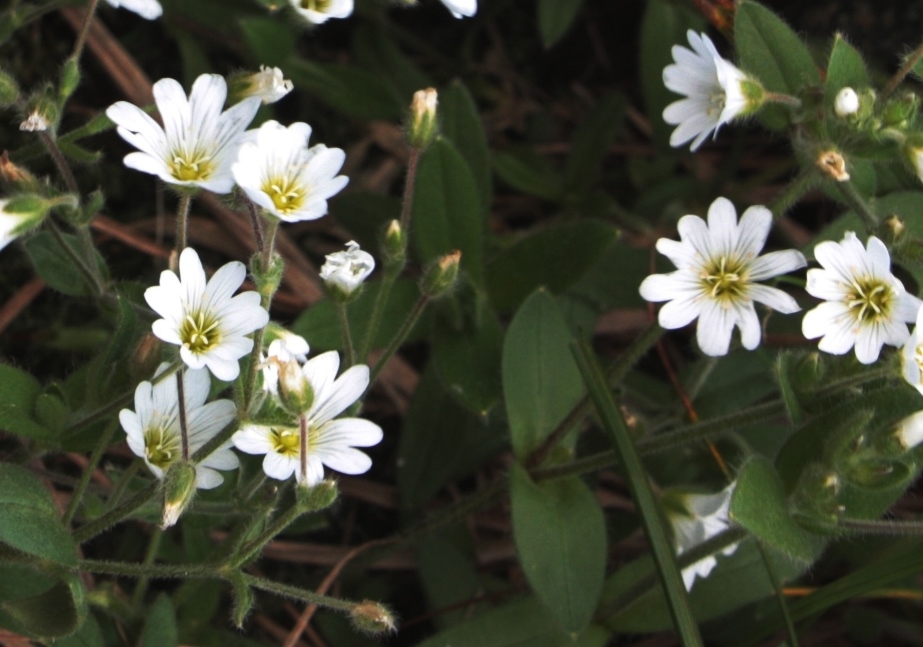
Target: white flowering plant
{"x": 458, "y": 321}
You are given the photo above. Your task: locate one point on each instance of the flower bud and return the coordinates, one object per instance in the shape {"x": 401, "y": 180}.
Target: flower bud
{"x": 422, "y": 118}
{"x": 70, "y": 79}
{"x": 42, "y": 113}
{"x": 846, "y": 102}
{"x": 894, "y": 226}
{"x": 344, "y": 272}
{"x": 243, "y": 598}
{"x": 268, "y": 84}
{"x": 440, "y": 276}
{"x": 317, "y": 498}
{"x": 898, "y": 111}
{"x": 267, "y": 281}
{"x": 832, "y": 164}
{"x": 372, "y": 618}
{"x": 178, "y": 491}
{"x": 16, "y": 178}
{"x": 394, "y": 246}
{"x": 295, "y": 390}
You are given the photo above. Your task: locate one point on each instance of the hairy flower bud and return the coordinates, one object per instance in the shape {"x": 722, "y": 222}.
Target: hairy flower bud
{"x": 372, "y": 618}
{"x": 422, "y": 118}
{"x": 846, "y": 102}
{"x": 832, "y": 164}
{"x": 9, "y": 90}
{"x": 394, "y": 246}
{"x": 178, "y": 491}
{"x": 441, "y": 275}
{"x": 295, "y": 390}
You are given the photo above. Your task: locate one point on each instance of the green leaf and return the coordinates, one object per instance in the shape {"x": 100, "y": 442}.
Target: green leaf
{"x": 54, "y": 266}
{"x": 468, "y": 361}
{"x": 56, "y": 613}
{"x": 89, "y": 635}
{"x": 556, "y": 258}
{"x": 665, "y": 24}
{"x": 786, "y": 365}
{"x": 446, "y": 210}
{"x": 521, "y": 623}
{"x": 319, "y": 323}
{"x": 29, "y": 521}
{"x": 591, "y": 142}
{"x": 651, "y": 515}
{"x": 759, "y": 505}
{"x": 541, "y": 383}
{"x": 460, "y": 123}
{"x": 845, "y": 69}
{"x": 19, "y": 393}
{"x": 524, "y": 169}
{"x": 447, "y": 575}
{"x": 271, "y": 40}
{"x": 561, "y": 540}
{"x": 78, "y": 154}
{"x": 440, "y": 441}
{"x": 160, "y": 628}
{"x": 774, "y": 54}
{"x": 354, "y": 92}
{"x": 555, "y": 17}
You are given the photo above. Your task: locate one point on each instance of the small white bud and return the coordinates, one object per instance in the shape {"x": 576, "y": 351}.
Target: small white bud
{"x": 269, "y": 84}
{"x": 846, "y": 102}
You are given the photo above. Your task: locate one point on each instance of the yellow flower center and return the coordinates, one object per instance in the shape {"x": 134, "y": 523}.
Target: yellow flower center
{"x": 285, "y": 194}
{"x": 199, "y": 332}
{"x": 285, "y": 441}
{"x": 161, "y": 447}
{"x": 191, "y": 167}
{"x": 870, "y": 300}
{"x": 315, "y": 5}
{"x": 725, "y": 279}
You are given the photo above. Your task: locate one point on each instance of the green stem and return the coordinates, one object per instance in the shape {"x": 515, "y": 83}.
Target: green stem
{"x": 381, "y": 299}
{"x": 902, "y": 73}
{"x": 122, "y": 485}
{"x": 153, "y": 547}
{"x": 780, "y": 596}
{"x": 858, "y": 204}
{"x": 783, "y": 99}
{"x": 182, "y": 221}
{"x": 109, "y": 519}
{"x": 183, "y": 428}
{"x": 792, "y": 193}
{"x": 85, "y": 29}
{"x": 409, "y": 183}
{"x": 399, "y": 338}
{"x": 101, "y": 445}
{"x": 261, "y": 502}
{"x": 59, "y": 161}
{"x": 269, "y": 242}
{"x": 251, "y": 549}
{"x": 256, "y": 353}
{"x": 894, "y": 528}
{"x": 345, "y": 332}
{"x": 300, "y": 594}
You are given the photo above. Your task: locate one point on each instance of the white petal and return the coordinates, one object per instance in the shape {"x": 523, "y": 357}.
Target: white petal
{"x": 776, "y": 263}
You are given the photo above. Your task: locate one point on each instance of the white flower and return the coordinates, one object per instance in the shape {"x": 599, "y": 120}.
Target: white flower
{"x": 328, "y": 442}
{"x": 865, "y": 305}
{"x": 912, "y": 356}
{"x": 319, "y": 11}
{"x": 153, "y": 428}
{"x": 703, "y": 517}
{"x": 35, "y": 122}
{"x": 203, "y": 318}
{"x": 345, "y": 271}
{"x": 288, "y": 348}
{"x": 269, "y": 84}
{"x": 909, "y": 431}
{"x": 279, "y": 173}
{"x": 149, "y": 9}
{"x": 15, "y": 224}
{"x": 846, "y": 102}
{"x": 461, "y": 8}
{"x": 714, "y": 91}
{"x": 197, "y": 143}
{"x": 718, "y": 268}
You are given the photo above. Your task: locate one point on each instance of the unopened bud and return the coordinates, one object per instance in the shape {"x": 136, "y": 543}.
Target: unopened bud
{"x": 897, "y": 112}
{"x": 178, "y": 491}
{"x": 9, "y": 90}
{"x": 422, "y": 118}
{"x": 344, "y": 272}
{"x": 394, "y": 246}
{"x": 268, "y": 84}
{"x": 21, "y": 214}
{"x": 41, "y": 111}
{"x": 441, "y": 275}
{"x": 372, "y": 618}
{"x": 317, "y": 498}
{"x": 70, "y": 79}
{"x": 16, "y": 178}
{"x": 243, "y": 598}
{"x": 295, "y": 391}
{"x": 895, "y": 226}
{"x": 832, "y": 164}
{"x": 268, "y": 280}
{"x": 846, "y": 102}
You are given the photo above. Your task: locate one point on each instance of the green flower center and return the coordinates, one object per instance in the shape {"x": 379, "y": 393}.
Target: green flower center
{"x": 285, "y": 194}
{"x": 191, "y": 167}
{"x": 725, "y": 279}
{"x": 285, "y": 441}
{"x": 199, "y": 332}
{"x": 161, "y": 447}
{"x": 870, "y": 300}
{"x": 315, "y": 5}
